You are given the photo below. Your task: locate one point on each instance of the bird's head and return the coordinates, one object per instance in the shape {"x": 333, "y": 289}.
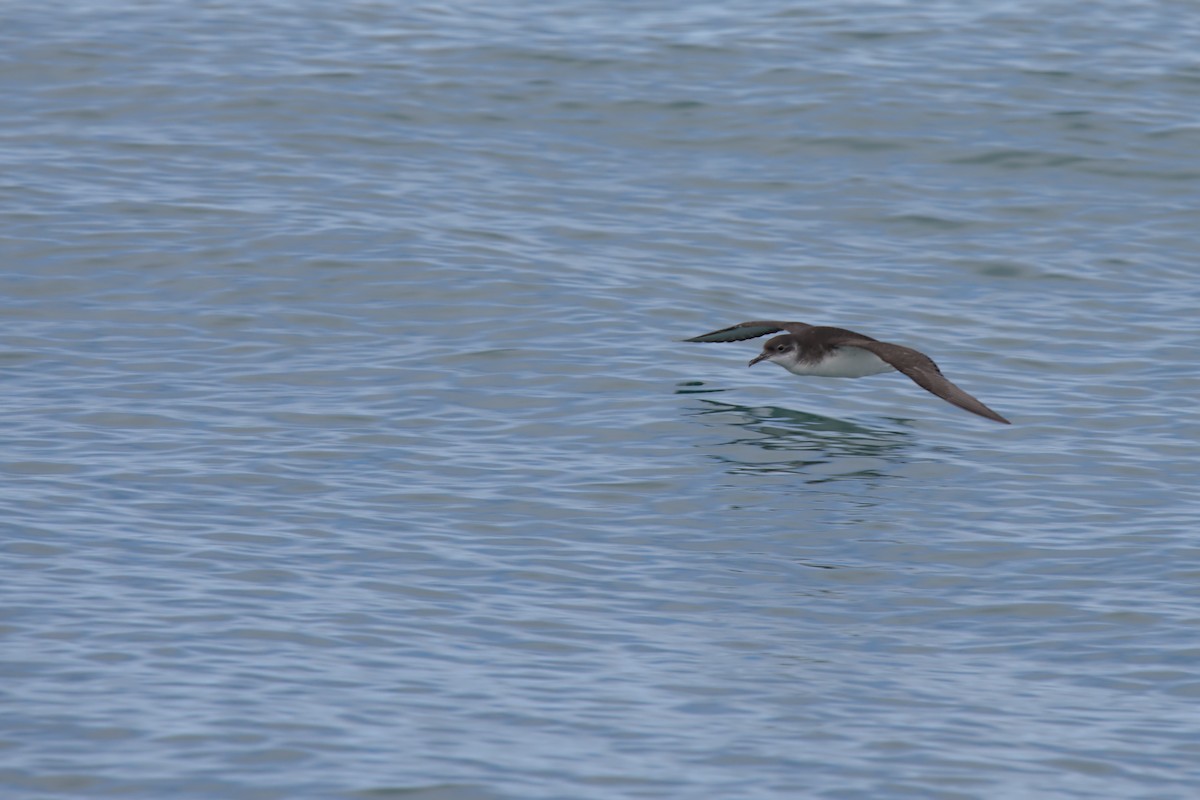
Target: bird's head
{"x": 780, "y": 349}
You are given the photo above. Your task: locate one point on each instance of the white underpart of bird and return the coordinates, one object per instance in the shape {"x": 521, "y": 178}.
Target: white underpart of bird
{"x": 845, "y": 362}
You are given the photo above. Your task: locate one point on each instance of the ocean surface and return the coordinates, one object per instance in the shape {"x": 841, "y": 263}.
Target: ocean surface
{"x": 351, "y": 452}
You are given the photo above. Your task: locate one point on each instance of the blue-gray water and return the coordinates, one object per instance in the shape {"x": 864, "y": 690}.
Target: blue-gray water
{"x": 350, "y": 450}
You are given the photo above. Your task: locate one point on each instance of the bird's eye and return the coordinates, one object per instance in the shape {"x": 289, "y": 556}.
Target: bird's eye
{"x": 781, "y": 347}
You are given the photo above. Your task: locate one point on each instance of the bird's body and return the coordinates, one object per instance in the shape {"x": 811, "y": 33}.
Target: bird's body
{"x": 844, "y": 362}
{"x": 828, "y": 352}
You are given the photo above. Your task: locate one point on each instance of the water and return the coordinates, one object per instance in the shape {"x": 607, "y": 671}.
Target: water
{"x": 351, "y": 451}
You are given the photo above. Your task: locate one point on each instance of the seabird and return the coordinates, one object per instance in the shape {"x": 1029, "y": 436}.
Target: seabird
{"x": 838, "y": 353}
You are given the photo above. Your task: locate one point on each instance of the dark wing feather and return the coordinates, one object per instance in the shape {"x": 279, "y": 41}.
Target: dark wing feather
{"x": 749, "y": 330}
{"x": 925, "y": 374}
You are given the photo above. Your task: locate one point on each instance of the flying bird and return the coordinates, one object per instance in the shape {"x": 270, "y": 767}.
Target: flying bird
{"x": 838, "y": 353}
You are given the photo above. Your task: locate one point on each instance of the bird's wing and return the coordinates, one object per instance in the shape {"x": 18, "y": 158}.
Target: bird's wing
{"x": 749, "y": 330}
{"x": 924, "y": 373}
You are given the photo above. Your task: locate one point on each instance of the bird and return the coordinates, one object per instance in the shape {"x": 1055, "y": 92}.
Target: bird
{"x": 829, "y": 352}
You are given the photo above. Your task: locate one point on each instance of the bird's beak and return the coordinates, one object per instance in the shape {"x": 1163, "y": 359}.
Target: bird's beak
{"x": 756, "y": 359}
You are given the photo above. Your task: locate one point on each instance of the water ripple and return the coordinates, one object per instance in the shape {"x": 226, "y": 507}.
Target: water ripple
{"x": 352, "y": 449}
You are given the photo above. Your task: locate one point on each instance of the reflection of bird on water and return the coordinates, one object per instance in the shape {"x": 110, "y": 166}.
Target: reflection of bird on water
{"x": 775, "y": 439}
